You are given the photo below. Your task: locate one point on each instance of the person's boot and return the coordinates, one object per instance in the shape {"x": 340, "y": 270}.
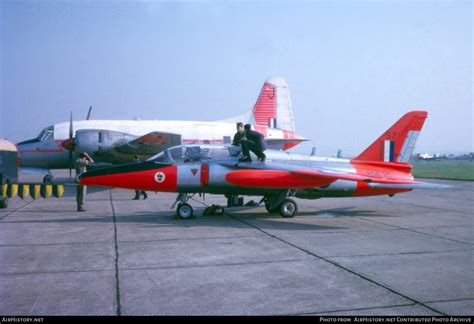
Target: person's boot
{"x": 263, "y": 157}
{"x": 80, "y": 209}
{"x": 245, "y": 158}
{"x": 145, "y": 196}
{"x": 136, "y": 198}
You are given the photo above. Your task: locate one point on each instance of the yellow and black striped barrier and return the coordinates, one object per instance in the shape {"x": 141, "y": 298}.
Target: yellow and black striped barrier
{"x": 34, "y": 190}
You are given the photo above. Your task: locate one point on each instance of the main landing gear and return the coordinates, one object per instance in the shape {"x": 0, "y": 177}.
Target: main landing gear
{"x": 286, "y": 207}
{"x": 281, "y": 204}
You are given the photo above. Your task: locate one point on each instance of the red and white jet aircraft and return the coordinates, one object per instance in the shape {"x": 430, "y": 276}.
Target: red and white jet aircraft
{"x": 382, "y": 169}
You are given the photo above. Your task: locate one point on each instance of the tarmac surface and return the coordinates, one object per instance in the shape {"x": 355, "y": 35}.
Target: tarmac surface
{"x": 407, "y": 255}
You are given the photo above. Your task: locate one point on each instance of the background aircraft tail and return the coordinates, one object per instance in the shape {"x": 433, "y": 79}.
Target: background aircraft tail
{"x": 273, "y": 107}
{"x": 398, "y": 142}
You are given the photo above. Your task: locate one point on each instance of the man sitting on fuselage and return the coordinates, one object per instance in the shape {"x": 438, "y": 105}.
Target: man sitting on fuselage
{"x": 255, "y": 142}
{"x": 239, "y": 135}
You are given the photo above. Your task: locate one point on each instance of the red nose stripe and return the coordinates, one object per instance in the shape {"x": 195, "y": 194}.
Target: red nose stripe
{"x": 273, "y": 179}
{"x": 163, "y": 179}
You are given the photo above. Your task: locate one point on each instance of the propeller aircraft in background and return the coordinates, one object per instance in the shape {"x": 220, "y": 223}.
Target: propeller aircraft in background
{"x": 118, "y": 141}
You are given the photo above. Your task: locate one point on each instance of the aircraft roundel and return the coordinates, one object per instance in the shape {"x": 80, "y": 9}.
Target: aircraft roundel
{"x": 160, "y": 177}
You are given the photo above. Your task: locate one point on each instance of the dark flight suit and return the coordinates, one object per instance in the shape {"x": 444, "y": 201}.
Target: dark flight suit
{"x": 139, "y": 192}
{"x": 81, "y": 166}
{"x": 238, "y": 138}
{"x": 255, "y": 142}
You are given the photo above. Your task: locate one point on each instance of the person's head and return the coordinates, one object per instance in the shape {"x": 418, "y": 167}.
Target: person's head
{"x": 136, "y": 157}
{"x": 82, "y": 155}
{"x": 247, "y": 127}
{"x": 240, "y": 127}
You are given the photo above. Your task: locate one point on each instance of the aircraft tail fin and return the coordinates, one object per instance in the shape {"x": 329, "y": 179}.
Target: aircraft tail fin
{"x": 273, "y": 107}
{"x": 398, "y": 142}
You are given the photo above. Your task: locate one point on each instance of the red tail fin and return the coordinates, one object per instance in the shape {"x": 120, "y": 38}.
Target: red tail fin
{"x": 398, "y": 142}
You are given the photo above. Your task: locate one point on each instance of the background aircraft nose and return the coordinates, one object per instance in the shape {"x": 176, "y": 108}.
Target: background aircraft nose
{"x": 23, "y": 156}
{"x": 20, "y": 156}
{"x": 67, "y": 144}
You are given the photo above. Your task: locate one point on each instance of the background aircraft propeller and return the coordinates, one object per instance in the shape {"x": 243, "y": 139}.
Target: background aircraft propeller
{"x": 89, "y": 113}
{"x": 71, "y": 144}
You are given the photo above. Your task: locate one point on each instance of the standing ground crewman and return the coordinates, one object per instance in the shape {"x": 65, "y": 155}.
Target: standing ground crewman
{"x": 81, "y": 166}
{"x": 139, "y": 192}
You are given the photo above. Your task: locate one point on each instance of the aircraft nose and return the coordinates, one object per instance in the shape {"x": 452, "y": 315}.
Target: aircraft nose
{"x": 142, "y": 175}
{"x": 67, "y": 144}
{"x": 21, "y": 154}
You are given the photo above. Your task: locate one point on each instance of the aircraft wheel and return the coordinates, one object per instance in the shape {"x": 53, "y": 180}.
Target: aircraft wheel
{"x": 219, "y": 211}
{"x": 4, "y": 202}
{"x": 288, "y": 208}
{"x": 48, "y": 179}
{"x": 184, "y": 211}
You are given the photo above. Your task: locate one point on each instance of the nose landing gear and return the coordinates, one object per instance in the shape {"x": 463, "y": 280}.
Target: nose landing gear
{"x": 184, "y": 210}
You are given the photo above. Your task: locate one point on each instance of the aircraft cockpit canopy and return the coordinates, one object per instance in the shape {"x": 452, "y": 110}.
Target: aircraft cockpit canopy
{"x": 46, "y": 134}
{"x": 195, "y": 153}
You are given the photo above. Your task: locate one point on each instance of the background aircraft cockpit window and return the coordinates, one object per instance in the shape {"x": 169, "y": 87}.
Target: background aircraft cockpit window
{"x": 46, "y": 133}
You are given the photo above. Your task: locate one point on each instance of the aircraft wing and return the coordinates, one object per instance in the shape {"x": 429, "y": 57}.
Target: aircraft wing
{"x": 378, "y": 182}
{"x": 150, "y": 143}
{"x": 413, "y": 185}
{"x": 272, "y": 175}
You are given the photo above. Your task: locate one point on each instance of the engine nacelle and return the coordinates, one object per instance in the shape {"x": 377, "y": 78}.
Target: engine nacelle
{"x": 100, "y": 144}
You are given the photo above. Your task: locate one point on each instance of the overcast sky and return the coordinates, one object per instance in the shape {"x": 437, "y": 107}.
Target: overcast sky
{"x": 353, "y": 67}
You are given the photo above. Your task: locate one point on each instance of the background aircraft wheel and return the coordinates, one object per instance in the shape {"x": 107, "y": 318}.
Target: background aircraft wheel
{"x": 4, "y": 202}
{"x": 48, "y": 179}
{"x": 184, "y": 211}
{"x": 288, "y": 208}
{"x": 219, "y": 211}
